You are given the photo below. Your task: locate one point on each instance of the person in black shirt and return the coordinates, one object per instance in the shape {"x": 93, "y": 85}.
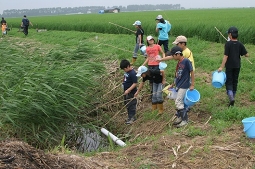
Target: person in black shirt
{"x": 157, "y": 76}
{"x": 139, "y": 41}
{"x": 232, "y": 62}
{"x": 25, "y": 24}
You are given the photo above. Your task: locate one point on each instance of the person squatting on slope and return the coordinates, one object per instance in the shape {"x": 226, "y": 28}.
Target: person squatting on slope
{"x": 163, "y": 27}
{"x": 129, "y": 85}
{"x": 139, "y": 40}
{"x": 232, "y": 62}
{"x": 184, "y": 80}
{"x": 158, "y": 79}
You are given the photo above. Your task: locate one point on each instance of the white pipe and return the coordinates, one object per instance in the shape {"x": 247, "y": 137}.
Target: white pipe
{"x": 113, "y": 137}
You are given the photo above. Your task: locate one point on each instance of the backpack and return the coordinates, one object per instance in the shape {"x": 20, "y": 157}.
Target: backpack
{"x": 26, "y": 23}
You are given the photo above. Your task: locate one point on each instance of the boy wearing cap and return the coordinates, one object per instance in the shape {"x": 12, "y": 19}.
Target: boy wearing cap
{"x": 163, "y": 27}
{"x": 129, "y": 86}
{"x": 232, "y": 62}
{"x": 181, "y": 41}
{"x": 184, "y": 80}
{"x": 157, "y": 77}
{"x": 138, "y": 39}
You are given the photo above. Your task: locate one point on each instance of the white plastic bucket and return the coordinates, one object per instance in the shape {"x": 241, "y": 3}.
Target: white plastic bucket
{"x": 143, "y": 48}
{"x": 162, "y": 65}
{"x": 172, "y": 94}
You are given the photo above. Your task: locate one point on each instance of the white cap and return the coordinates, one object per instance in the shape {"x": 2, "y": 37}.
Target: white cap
{"x": 137, "y": 23}
{"x": 141, "y": 70}
{"x": 149, "y": 37}
{"x": 159, "y": 17}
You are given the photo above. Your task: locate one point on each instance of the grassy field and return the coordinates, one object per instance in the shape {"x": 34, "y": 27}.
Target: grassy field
{"x": 199, "y": 23}
{"x": 54, "y": 78}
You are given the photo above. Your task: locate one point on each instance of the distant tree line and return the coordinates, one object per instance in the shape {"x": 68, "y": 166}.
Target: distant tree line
{"x": 86, "y": 9}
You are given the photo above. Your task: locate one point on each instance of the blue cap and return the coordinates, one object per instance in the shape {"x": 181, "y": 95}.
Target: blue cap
{"x": 137, "y": 23}
{"x": 141, "y": 70}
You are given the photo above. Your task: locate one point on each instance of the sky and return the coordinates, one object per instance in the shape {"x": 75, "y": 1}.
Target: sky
{"x": 34, "y": 4}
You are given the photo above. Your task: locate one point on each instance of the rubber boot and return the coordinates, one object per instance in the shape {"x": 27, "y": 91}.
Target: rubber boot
{"x": 184, "y": 116}
{"x": 154, "y": 106}
{"x": 160, "y": 108}
{"x": 231, "y": 98}
{"x": 133, "y": 61}
{"x": 178, "y": 120}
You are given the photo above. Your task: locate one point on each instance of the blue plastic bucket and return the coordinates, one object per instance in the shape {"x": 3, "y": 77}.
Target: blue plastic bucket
{"x": 249, "y": 126}
{"x": 143, "y": 48}
{"x": 218, "y": 79}
{"x": 162, "y": 65}
{"x": 191, "y": 97}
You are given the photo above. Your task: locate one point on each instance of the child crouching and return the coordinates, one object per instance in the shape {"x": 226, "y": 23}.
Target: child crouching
{"x": 158, "y": 79}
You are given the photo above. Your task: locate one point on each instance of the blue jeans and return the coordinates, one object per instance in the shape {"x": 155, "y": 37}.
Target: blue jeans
{"x": 157, "y": 94}
{"x": 137, "y": 47}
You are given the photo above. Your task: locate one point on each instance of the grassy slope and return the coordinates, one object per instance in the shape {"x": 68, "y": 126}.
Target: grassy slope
{"x": 152, "y": 134}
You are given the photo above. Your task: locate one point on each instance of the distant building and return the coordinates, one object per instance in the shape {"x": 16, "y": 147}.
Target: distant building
{"x": 111, "y": 10}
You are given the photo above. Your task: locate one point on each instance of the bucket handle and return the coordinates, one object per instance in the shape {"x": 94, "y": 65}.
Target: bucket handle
{"x": 248, "y": 127}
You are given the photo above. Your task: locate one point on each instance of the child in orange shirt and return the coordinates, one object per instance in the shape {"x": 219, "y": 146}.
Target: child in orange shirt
{"x": 3, "y": 29}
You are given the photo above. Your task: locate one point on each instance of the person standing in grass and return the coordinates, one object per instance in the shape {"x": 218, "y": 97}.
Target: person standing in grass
{"x": 138, "y": 39}
{"x": 181, "y": 41}
{"x": 163, "y": 27}
{"x": 3, "y": 21}
{"x": 130, "y": 88}
{"x": 157, "y": 77}
{"x": 184, "y": 80}
{"x": 25, "y": 24}
{"x": 232, "y": 62}
{"x": 152, "y": 51}
{"x": 3, "y": 29}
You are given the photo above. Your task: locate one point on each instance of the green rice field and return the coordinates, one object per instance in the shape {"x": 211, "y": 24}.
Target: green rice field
{"x": 200, "y": 23}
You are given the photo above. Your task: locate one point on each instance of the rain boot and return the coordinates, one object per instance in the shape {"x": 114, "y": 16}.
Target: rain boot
{"x": 178, "y": 120}
{"x": 160, "y": 108}
{"x": 231, "y": 98}
{"x": 184, "y": 117}
{"x": 133, "y": 61}
{"x": 154, "y": 106}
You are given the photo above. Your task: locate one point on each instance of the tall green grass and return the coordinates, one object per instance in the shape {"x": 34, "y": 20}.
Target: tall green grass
{"x": 42, "y": 93}
{"x": 200, "y": 23}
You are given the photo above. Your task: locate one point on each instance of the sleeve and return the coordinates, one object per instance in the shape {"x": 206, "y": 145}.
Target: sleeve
{"x": 139, "y": 32}
{"x": 134, "y": 78}
{"x": 159, "y": 26}
{"x": 189, "y": 65}
{"x": 243, "y": 50}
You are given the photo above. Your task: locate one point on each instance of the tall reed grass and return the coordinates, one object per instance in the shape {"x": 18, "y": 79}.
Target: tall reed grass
{"x": 41, "y": 95}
